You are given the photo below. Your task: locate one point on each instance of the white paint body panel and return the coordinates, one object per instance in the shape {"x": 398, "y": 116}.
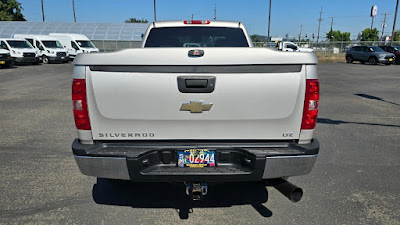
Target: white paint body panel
{"x": 246, "y": 106}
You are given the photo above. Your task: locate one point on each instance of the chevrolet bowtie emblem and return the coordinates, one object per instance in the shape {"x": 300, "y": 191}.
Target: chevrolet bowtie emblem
{"x": 196, "y": 107}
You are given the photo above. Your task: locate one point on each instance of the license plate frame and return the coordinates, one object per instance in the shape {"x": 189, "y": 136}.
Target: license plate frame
{"x": 196, "y": 158}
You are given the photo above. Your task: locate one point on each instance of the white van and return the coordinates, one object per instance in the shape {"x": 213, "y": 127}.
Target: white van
{"x": 50, "y": 49}
{"x": 21, "y": 50}
{"x": 75, "y": 43}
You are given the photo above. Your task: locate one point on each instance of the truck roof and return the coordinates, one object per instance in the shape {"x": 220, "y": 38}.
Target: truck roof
{"x": 180, "y": 23}
{"x": 40, "y": 37}
{"x": 12, "y": 39}
{"x": 70, "y": 35}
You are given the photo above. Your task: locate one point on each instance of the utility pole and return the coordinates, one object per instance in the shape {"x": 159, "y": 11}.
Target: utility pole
{"x": 394, "y": 22}
{"x": 215, "y": 12}
{"x": 43, "y": 11}
{"x": 301, "y": 29}
{"x": 155, "y": 17}
{"x": 331, "y": 23}
{"x": 192, "y": 15}
{"x": 384, "y": 25}
{"x": 73, "y": 8}
{"x": 319, "y": 23}
{"x": 269, "y": 22}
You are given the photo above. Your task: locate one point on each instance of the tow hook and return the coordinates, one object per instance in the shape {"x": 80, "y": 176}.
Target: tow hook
{"x": 196, "y": 190}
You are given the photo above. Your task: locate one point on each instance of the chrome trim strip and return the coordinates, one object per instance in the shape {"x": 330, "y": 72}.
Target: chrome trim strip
{"x": 256, "y": 68}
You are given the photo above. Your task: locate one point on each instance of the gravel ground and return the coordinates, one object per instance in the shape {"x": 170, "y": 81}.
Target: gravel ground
{"x": 356, "y": 179}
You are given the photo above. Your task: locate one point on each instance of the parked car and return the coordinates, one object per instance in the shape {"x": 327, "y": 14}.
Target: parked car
{"x": 75, "y": 43}
{"x": 393, "y": 49}
{"x": 49, "y": 48}
{"x": 20, "y": 50}
{"x": 6, "y": 60}
{"x": 371, "y": 54}
{"x": 215, "y": 112}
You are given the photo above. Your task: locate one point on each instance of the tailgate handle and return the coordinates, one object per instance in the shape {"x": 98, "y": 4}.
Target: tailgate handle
{"x": 196, "y": 84}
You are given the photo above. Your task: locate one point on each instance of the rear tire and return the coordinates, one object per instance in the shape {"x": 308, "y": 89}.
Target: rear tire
{"x": 349, "y": 59}
{"x": 362, "y": 62}
{"x": 372, "y": 61}
{"x": 387, "y": 64}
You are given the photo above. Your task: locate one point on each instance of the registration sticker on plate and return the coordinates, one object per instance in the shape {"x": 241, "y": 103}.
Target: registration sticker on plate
{"x": 196, "y": 158}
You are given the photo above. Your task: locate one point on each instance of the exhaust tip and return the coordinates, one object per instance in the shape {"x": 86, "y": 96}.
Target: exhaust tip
{"x": 289, "y": 190}
{"x": 296, "y": 195}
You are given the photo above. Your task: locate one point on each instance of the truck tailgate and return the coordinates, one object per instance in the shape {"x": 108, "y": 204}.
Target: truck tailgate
{"x": 249, "y": 101}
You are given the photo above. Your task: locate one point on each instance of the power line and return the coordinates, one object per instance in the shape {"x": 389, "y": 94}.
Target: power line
{"x": 269, "y": 22}
{"x": 394, "y": 22}
{"x": 73, "y": 8}
{"x": 384, "y": 25}
{"x": 154, "y": 5}
{"x": 215, "y": 12}
{"x": 332, "y": 23}
{"x": 301, "y": 29}
{"x": 319, "y": 23}
{"x": 43, "y": 11}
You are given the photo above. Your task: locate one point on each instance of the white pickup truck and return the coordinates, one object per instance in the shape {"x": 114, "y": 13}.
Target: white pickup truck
{"x": 292, "y": 47}
{"x": 196, "y": 104}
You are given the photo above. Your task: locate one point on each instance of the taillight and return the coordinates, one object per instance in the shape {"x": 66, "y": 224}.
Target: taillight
{"x": 79, "y": 102}
{"x": 196, "y": 22}
{"x": 310, "y": 111}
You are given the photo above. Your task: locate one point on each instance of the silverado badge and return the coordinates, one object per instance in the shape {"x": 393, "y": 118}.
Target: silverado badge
{"x": 196, "y": 107}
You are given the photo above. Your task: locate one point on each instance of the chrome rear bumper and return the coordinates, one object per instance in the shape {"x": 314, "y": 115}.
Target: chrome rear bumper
{"x": 110, "y": 162}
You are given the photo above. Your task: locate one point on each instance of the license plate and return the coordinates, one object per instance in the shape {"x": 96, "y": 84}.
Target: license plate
{"x": 196, "y": 158}
{"x": 2, "y": 62}
{"x": 62, "y": 57}
{"x": 390, "y": 59}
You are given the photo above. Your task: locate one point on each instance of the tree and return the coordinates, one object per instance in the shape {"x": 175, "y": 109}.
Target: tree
{"x": 255, "y": 38}
{"x": 258, "y": 38}
{"x": 134, "y": 20}
{"x": 10, "y": 10}
{"x": 370, "y": 35}
{"x": 336, "y": 35}
{"x": 396, "y": 35}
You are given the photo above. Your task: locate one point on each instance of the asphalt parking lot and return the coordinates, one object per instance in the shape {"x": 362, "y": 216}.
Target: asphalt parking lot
{"x": 356, "y": 179}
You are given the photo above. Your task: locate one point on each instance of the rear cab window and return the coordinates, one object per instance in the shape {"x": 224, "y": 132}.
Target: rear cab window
{"x": 196, "y": 37}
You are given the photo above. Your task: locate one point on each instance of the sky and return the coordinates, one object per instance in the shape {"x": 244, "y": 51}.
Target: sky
{"x": 287, "y": 15}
